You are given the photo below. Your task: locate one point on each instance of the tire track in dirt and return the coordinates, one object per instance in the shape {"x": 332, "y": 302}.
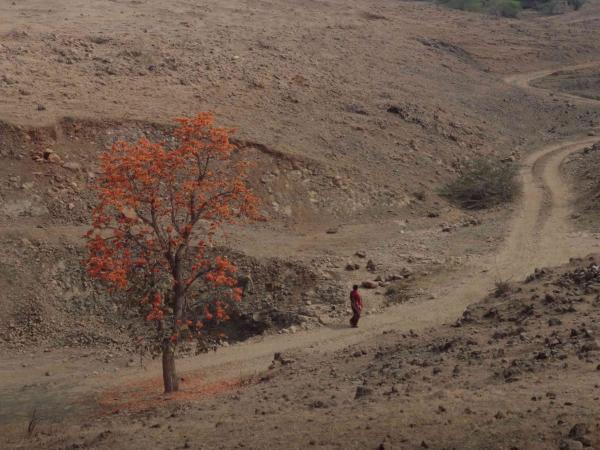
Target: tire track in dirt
{"x": 524, "y": 80}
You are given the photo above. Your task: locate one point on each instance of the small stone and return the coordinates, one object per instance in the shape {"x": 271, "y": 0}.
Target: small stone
{"x": 281, "y": 358}
{"x": 369, "y": 284}
{"x": 71, "y": 165}
{"x": 569, "y": 444}
{"x": 54, "y": 158}
{"x": 317, "y": 404}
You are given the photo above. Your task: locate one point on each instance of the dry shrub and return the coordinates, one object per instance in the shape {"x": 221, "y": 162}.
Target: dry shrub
{"x": 483, "y": 184}
{"x": 501, "y": 288}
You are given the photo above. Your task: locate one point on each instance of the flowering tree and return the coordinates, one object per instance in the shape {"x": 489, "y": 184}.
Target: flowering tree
{"x": 160, "y": 206}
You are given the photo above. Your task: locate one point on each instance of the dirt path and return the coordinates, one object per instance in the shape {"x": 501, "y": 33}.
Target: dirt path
{"x": 524, "y": 80}
{"x": 540, "y": 234}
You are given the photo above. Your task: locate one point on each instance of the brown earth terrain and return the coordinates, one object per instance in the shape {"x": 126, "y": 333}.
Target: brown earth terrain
{"x": 583, "y": 82}
{"x": 356, "y": 112}
{"x": 517, "y": 370}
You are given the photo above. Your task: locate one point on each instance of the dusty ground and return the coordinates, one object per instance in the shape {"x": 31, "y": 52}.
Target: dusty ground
{"x": 357, "y": 112}
{"x": 518, "y": 370}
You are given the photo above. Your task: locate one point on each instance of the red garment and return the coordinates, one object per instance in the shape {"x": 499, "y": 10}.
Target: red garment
{"x": 356, "y": 301}
{"x": 357, "y": 305}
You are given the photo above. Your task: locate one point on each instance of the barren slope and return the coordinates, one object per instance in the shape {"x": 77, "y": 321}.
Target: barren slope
{"x": 540, "y": 234}
{"x": 357, "y": 112}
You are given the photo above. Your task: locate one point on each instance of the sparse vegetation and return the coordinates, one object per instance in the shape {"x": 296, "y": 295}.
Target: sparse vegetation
{"x": 483, "y": 184}
{"x": 504, "y": 8}
{"x": 397, "y": 293}
{"x": 512, "y": 8}
{"x": 501, "y": 288}
{"x": 465, "y": 5}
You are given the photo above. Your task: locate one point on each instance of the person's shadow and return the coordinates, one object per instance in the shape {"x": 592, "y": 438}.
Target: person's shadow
{"x": 338, "y": 326}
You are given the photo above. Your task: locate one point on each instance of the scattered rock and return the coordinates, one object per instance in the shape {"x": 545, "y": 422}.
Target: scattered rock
{"x": 569, "y": 444}
{"x": 554, "y": 321}
{"x": 371, "y": 266}
{"x": 282, "y": 359}
{"x": 578, "y": 433}
{"x": 317, "y": 404}
{"x": 71, "y": 165}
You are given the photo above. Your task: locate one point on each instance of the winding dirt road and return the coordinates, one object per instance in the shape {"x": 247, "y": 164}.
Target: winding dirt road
{"x": 540, "y": 235}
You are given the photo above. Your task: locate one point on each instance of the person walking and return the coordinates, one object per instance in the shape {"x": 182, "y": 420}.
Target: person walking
{"x": 357, "y": 306}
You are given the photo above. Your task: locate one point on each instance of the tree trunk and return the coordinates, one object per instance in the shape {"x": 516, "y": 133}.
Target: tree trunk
{"x": 170, "y": 380}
